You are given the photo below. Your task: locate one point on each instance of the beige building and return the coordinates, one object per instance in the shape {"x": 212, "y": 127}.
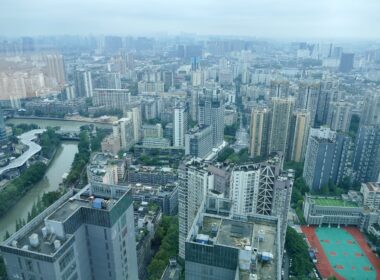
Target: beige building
{"x": 300, "y": 136}
{"x": 282, "y": 110}
{"x": 259, "y": 132}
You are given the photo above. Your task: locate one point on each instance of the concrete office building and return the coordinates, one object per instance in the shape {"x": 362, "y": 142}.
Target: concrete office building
{"x": 83, "y": 83}
{"x": 327, "y": 157}
{"x": 259, "y": 132}
{"x": 194, "y": 182}
{"x": 198, "y": 141}
{"x": 339, "y": 116}
{"x": 299, "y": 135}
{"x": 112, "y": 98}
{"x": 282, "y": 110}
{"x": 89, "y": 235}
{"x": 179, "y": 126}
{"x": 367, "y": 154}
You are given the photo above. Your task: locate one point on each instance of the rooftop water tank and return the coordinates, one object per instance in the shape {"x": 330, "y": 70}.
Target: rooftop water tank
{"x": 44, "y": 232}
{"x": 33, "y": 240}
{"x": 57, "y": 244}
{"x": 97, "y": 203}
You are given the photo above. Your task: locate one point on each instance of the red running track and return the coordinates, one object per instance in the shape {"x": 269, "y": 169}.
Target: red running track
{"x": 359, "y": 237}
{"x": 323, "y": 265}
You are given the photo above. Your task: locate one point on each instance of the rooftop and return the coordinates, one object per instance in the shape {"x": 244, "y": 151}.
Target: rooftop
{"x": 255, "y": 236}
{"x": 325, "y": 201}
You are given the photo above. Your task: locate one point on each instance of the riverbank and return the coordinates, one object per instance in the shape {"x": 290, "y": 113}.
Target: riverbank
{"x": 59, "y": 164}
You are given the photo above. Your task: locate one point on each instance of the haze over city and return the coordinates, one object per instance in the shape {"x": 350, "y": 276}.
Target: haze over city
{"x": 269, "y": 19}
{"x": 187, "y": 140}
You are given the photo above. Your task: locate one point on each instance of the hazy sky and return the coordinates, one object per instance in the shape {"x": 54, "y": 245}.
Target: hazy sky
{"x": 262, "y": 18}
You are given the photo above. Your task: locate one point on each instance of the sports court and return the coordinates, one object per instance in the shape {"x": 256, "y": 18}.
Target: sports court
{"x": 342, "y": 252}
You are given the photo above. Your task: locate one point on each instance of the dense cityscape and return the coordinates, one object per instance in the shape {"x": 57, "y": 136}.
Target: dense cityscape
{"x": 189, "y": 157}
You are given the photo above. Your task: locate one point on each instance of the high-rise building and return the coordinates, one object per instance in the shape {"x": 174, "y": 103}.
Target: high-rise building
{"x": 198, "y": 141}
{"x": 367, "y": 154}
{"x": 55, "y": 67}
{"x": 194, "y": 181}
{"x": 123, "y": 131}
{"x": 282, "y": 110}
{"x": 211, "y": 112}
{"x": 262, "y": 189}
{"x": 328, "y": 156}
{"x": 134, "y": 113}
{"x": 308, "y": 98}
{"x": 346, "y": 62}
{"x": 339, "y": 116}
{"x": 179, "y": 125}
{"x": 83, "y": 83}
{"x": 371, "y": 112}
{"x": 88, "y": 235}
{"x": 279, "y": 89}
{"x": 3, "y": 132}
{"x": 259, "y": 132}
{"x": 27, "y": 45}
{"x": 299, "y": 134}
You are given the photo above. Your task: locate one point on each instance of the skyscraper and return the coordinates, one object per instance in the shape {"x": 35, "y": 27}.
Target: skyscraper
{"x": 327, "y": 157}
{"x": 88, "y": 235}
{"x": 135, "y": 114}
{"x": 282, "y": 110}
{"x": 309, "y": 94}
{"x": 179, "y": 125}
{"x": 259, "y": 132}
{"x": 194, "y": 181}
{"x": 211, "y": 112}
{"x": 339, "y": 116}
{"x": 346, "y": 62}
{"x": 299, "y": 135}
{"x": 367, "y": 154}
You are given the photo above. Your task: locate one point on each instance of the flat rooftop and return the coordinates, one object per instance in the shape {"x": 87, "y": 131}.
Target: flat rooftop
{"x": 333, "y": 202}
{"x": 240, "y": 234}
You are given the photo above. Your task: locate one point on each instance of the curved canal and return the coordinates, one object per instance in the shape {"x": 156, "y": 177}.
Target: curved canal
{"x": 60, "y": 164}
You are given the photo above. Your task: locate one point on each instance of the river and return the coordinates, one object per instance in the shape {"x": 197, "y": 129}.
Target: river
{"x": 60, "y": 164}
{"x": 64, "y": 125}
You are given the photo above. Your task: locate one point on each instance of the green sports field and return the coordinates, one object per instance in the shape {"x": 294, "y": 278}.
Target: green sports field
{"x": 344, "y": 254}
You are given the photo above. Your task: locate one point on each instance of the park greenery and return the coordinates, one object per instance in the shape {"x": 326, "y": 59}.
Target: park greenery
{"x": 22, "y": 128}
{"x": 228, "y": 154}
{"x": 81, "y": 158}
{"x": 49, "y": 141}
{"x": 297, "y": 250}
{"x": 166, "y": 240}
{"x": 16, "y": 189}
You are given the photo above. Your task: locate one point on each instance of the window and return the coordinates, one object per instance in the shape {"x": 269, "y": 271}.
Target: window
{"x": 29, "y": 265}
{"x": 66, "y": 259}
